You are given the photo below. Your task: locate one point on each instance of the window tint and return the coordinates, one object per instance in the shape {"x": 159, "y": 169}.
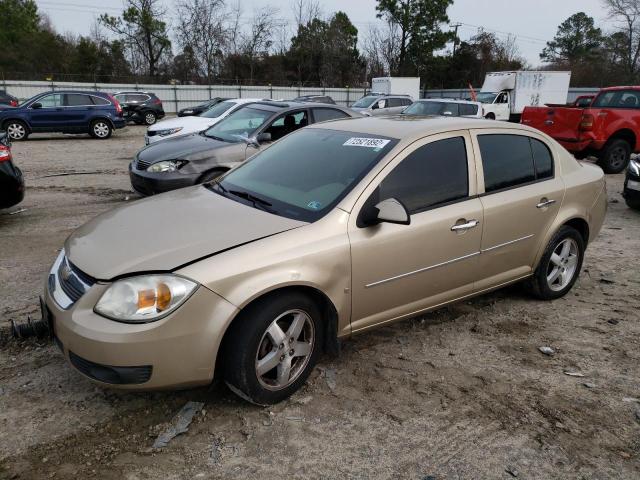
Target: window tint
{"x": 239, "y": 125}
{"x": 542, "y": 159}
{"x": 322, "y": 114}
{"x": 507, "y": 161}
{"x": 618, "y": 99}
{"x": 48, "y": 101}
{"x": 433, "y": 174}
{"x": 216, "y": 110}
{"x": 99, "y": 100}
{"x": 137, "y": 98}
{"x": 405, "y": 101}
{"x": 75, "y": 99}
{"x": 450, "y": 109}
{"x": 394, "y": 102}
{"x": 384, "y": 103}
{"x": 287, "y": 123}
{"x": 468, "y": 109}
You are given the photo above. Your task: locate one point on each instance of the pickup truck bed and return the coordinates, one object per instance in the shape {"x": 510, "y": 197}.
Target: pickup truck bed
{"x": 608, "y": 129}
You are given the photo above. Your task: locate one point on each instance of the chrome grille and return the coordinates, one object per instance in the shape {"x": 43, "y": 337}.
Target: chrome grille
{"x": 142, "y": 165}
{"x": 73, "y": 282}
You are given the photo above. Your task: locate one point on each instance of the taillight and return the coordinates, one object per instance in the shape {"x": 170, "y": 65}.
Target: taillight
{"x": 116, "y": 104}
{"x": 157, "y": 101}
{"x": 586, "y": 122}
{"x": 13, "y": 103}
{"x": 5, "y": 153}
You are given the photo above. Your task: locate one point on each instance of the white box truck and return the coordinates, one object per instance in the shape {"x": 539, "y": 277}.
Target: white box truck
{"x": 505, "y": 94}
{"x": 397, "y": 86}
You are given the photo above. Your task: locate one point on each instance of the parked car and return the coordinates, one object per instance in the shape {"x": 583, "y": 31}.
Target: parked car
{"x": 583, "y": 101}
{"x": 631, "y": 192}
{"x": 6, "y": 99}
{"x": 318, "y": 237}
{"x": 445, "y": 107}
{"x": 381, "y": 104}
{"x": 11, "y": 180}
{"x": 198, "y": 109}
{"x": 174, "y": 127}
{"x": 140, "y": 107}
{"x": 608, "y": 129}
{"x": 201, "y": 157}
{"x": 315, "y": 98}
{"x": 66, "y": 111}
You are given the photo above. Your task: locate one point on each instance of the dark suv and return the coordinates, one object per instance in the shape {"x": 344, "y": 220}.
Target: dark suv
{"x": 95, "y": 113}
{"x": 140, "y": 107}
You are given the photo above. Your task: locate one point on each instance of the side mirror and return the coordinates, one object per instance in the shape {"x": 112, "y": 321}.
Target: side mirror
{"x": 392, "y": 211}
{"x": 36, "y": 105}
{"x": 447, "y": 113}
{"x": 263, "y": 137}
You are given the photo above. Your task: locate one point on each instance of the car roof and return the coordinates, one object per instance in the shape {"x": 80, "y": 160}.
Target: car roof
{"x": 79, "y": 92}
{"x": 411, "y": 128}
{"x": 134, "y": 91}
{"x": 277, "y": 106}
{"x": 612, "y": 89}
{"x": 447, "y": 100}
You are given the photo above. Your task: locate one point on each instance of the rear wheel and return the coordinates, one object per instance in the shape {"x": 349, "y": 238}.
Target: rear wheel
{"x": 615, "y": 156}
{"x": 16, "y": 130}
{"x": 490, "y": 116}
{"x": 559, "y": 266}
{"x": 150, "y": 118}
{"x": 100, "y": 129}
{"x": 272, "y": 347}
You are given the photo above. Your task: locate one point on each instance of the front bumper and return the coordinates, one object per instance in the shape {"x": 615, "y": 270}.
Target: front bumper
{"x": 148, "y": 183}
{"x": 631, "y": 189}
{"x": 174, "y": 352}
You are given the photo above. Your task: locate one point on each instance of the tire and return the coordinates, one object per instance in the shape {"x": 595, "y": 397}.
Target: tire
{"x": 100, "y": 129}
{"x": 150, "y": 118}
{"x": 490, "y": 116}
{"x": 615, "y": 156}
{"x": 17, "y": 130}
{"x": 211, "y": 175}
{"x": 632, "y": 203}
{"x": 558, "y": 269}
{"x": 262, "y": 334}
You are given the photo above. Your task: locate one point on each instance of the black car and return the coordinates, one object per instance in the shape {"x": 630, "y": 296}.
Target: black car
{"x": 140, "y": 107}
{"x": 201, "y": 157}
{"x": 6, "y": 99}
{"x": 11, "y": 181}
{"x": 315, "y": 98}
{"x": 198, "y": 109}
{"x": 631, "y": 192}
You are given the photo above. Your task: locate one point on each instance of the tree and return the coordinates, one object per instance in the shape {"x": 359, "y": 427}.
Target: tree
{"x": 627, "y": 12}
{"x": 341, "y": 59}
{"x": 577, "y": 40}
{"x": 419, "y": 29}
{"x": 257, "y": 42}
{"x": 142, "y": 28}
{"x": 202, "y": 34}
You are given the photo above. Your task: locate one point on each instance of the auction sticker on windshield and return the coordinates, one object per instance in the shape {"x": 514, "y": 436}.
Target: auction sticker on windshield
{"x": 366, "y": 142}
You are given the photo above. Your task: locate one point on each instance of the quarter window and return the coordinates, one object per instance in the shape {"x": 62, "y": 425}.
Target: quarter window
{"x": 100, "y": 101}
{"x": 431, "y": 175}
{"x": 512, "y": 160}
{"x": 322, "y": 114}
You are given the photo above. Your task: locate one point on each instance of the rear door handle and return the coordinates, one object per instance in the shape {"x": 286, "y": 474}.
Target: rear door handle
{"x": 544, "y": 202}
{"x": 465, "y": 226}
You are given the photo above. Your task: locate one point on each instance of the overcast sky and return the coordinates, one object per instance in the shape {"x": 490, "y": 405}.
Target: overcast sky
{"x": 533, "y": 22}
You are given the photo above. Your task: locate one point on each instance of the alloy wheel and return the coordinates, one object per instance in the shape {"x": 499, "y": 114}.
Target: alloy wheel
{"x": 16, "y": 131}
{"x": 150, "y": 118}
{"x": 101, "y": 129}
{"x": 563, "y": 264}
{"x": 285, "y": 350}
{"x": 618, "y": 158}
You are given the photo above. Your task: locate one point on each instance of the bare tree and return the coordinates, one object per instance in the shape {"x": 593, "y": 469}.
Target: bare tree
{"x": 258, "y": 40}
{"x": 627, "y": 12}
{"x": 304, "y": 11}
{"x": 382, "y": 48}
{"x": 201, "y": 29}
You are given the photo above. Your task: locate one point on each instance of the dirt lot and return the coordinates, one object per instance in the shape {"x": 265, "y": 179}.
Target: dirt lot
{"x": 460, "y": 393}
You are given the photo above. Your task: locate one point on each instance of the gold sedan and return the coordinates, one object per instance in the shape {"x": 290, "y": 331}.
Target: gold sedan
{"x": 335, "y": 229}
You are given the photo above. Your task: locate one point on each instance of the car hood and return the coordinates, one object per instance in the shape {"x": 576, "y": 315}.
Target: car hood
{"x": 162, "y": 233}
{"x": 186, "y": 147}
{"x": 192, "y": 124}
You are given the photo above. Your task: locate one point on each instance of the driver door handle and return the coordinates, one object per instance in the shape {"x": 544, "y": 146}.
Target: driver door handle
{"x": 465, "y": 226}
{"x": 544, "y": 202}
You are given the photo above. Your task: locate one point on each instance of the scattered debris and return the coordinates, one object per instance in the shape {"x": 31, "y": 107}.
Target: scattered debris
{"x": 607, "y": 280}
{"x": 66, "y": 174}
{"x": 613, "y": 321}
{"x": 512, "y": 471}
{"x": 30, "y": 328}
{"x": 573, "y": 374}
{"x": 180, "y": 424}
{"x": 295, "y": 419}
{"x": 638, "y": 415}
{"x": 547, "y": 350}
{"x": 330, "y": 377}
{"x": 15, "y": 212}
{"x": 631, "y": 400}
{"x": 303, "y": 400}
{"x": 589, "y": 385}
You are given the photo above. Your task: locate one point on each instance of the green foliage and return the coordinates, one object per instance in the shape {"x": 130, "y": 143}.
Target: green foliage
{"x": 577, "y": 40}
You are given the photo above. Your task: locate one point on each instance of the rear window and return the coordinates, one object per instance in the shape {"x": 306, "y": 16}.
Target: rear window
{"x": 217, "y": 110}
{"x": 512, "y": 160}
{"x": 322, "y": 114}
{"x": 618, "y": 99}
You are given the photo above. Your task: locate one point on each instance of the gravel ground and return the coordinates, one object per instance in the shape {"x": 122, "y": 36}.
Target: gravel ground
{"x": 460, "y": 393}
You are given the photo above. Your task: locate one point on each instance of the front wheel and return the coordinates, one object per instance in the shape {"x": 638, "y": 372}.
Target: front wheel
{"x": 272, "y": 347}
{"x": 559, "y": 266}
{"x": 615, "y": 156}
{"x": 490, "y": 116}
{"x": 100, "y": 129}
{"x": 16, "y": 130}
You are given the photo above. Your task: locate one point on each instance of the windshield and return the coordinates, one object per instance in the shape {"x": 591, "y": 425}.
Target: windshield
{"x": 217, "y": 110}
{"x": 239, "y": 125}
{"x": 365, "y": 102}
{"x": 305, "y": 174}
{"x": 425, "y": 108}
{"x": 485, "y": 97}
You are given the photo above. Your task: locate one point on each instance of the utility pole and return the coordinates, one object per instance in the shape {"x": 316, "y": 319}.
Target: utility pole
{"x": 456, "y": 26}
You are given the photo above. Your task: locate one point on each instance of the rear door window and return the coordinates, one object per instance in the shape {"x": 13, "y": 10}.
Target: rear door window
{"x": 287, "y": 123}
{"x": 77, "y": 100}
{"x": 468, "y": 109}
{"x": 322, "y": 114}
{"x": 430, "y": 176}
{"x": 512, "y": 160}
{"x": 451, "y": 110}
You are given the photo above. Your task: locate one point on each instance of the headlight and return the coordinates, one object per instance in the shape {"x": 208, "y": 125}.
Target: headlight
{"x": 634, "y": 167}
{"x": 168, "y": 131}
{"x": 145, "y": 298}
{"x": 166, "y": 166}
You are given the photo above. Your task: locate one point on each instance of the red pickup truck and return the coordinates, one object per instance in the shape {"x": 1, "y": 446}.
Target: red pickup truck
{"x": 609, "y": 128}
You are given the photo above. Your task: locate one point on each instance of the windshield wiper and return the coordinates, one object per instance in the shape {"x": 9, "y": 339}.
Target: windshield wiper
{"x": 214, "y": 137}
{"x": 252, "y": 198}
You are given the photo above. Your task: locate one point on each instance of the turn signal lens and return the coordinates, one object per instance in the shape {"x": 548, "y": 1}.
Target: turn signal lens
{"x": 163, "y": 297}
{"x": 146, "y": 298}
{"x": 586, "y": 123}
